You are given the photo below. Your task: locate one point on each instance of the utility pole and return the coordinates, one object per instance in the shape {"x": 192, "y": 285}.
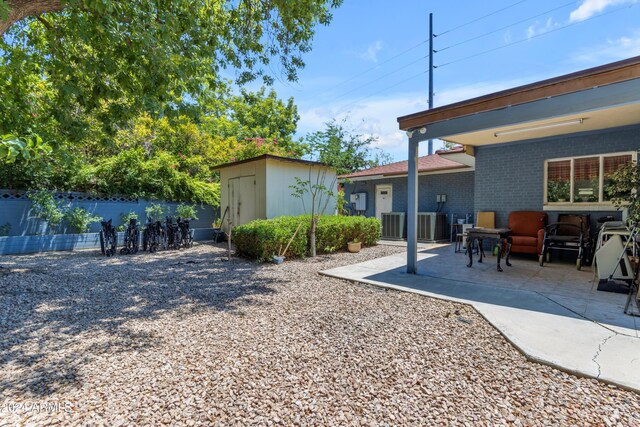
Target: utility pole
{"x": 430, "y": 146}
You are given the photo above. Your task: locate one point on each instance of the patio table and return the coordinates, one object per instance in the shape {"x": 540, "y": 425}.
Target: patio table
{"x": 481, "y": 233}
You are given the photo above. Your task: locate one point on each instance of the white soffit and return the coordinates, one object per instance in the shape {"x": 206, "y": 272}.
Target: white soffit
{"x": 612, "y": 117}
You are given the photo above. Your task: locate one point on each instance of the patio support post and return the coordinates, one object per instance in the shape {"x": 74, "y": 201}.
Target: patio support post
{"x": 412, "y": 209}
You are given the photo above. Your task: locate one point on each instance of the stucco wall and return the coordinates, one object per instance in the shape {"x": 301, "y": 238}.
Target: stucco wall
{"x": 510, "y": 177}
{"x": 458, "y": 188}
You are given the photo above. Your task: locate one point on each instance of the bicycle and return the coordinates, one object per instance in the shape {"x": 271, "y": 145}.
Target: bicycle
{"x": 174, "y": 235}
{"x": 131, "y": 238}
{"x": 154, "y": 237}
{"x": 186, "y": 234}
{"x": 108, "y": 239}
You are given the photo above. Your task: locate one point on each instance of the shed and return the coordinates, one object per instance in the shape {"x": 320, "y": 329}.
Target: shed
{"x": 259, "y": 188}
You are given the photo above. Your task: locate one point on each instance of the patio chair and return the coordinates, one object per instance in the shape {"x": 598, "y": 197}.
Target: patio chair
{"x": 570, "y": 233}
{"x": 486, "y": 219}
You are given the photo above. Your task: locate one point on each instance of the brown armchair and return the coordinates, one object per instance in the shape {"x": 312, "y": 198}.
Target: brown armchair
{"x": 527, "y": 231}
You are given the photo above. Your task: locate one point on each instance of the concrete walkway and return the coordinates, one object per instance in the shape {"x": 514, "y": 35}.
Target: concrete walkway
{"x": 553, "y": 314}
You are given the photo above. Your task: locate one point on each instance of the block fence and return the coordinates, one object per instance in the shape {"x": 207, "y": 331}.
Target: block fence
{"x": 15, "y": 209}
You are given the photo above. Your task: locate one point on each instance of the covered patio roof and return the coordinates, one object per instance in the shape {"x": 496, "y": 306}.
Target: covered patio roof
{"x": 598, "y": 98}
{"x": 603, "y": 97}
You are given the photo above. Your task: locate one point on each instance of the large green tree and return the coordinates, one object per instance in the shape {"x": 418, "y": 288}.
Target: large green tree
{"x": 116, "y": 59}
{"x": 344, "y": 149}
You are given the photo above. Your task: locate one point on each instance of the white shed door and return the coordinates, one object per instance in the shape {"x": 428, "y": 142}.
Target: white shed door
{"x": 384, "y": 200}
{"x": 242, "y": 192}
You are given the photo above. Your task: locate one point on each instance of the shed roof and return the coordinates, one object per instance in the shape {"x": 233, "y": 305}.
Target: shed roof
{"x": 429, "y": 163}
{"x": 268, "y": 156}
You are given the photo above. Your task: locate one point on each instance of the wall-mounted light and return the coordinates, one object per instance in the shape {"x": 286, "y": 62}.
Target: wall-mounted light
{"x": 422, "y": 130}
{"x": 540, "y": 127}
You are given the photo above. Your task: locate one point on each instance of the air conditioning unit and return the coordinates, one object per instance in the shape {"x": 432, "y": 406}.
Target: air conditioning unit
{"x": 432, "y": 226}
{"x": 393, "y": 225}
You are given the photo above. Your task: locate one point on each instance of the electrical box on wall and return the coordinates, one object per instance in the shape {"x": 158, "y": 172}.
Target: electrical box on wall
{"x": 359, "y": 200}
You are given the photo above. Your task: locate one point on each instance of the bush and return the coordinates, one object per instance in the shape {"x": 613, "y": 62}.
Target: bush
{"x": 261, "y": 239}
{"x": 79, "y": 219}
{"x": 45, "y": 207}
{"x": 155, "y": 212}
{"x": 334, "y": 232}
{"x": 125, "y": 218}
{"x": 186, "y": 211}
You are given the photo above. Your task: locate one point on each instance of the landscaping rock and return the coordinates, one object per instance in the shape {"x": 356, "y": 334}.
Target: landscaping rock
{"x": 182, "y": 338}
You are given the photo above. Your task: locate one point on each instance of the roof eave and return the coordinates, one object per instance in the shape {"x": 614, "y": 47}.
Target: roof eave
{"x": 615, "y": 72}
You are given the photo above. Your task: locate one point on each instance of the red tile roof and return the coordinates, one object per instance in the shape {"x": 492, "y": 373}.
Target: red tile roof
{"x": 431, "y": 163}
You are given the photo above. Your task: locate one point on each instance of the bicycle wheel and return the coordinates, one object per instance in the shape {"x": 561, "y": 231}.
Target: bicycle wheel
{"x": 114, "y": 241}
{"x": 102, "y": 247}
{"x": 136, "y": 242}
{"x": 145, "y": 239}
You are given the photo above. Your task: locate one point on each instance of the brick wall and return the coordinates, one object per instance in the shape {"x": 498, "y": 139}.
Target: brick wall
{"x": 458, "y": 187}
{"x": 510, "y": 177}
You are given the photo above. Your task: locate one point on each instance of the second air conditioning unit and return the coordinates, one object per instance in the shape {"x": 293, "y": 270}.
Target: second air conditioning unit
{"x": 432, "y": 226}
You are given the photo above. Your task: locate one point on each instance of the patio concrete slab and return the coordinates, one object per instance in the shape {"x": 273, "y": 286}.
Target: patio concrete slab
{"x": 553, "y": 314}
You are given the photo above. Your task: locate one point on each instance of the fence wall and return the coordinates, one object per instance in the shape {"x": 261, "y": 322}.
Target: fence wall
{"x": 15, "y": 209}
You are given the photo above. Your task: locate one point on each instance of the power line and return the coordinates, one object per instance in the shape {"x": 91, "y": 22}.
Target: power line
{"x": 480, "y": 18}
{"x": 346, "y": 107}
{"x": 383, "y": 62}
{"x": 532, "y": 37}
{"x": 506, "y": 26}
{"x": 382, "y": 77}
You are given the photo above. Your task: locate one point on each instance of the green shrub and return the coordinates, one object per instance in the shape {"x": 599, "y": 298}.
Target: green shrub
{"x": 261, "y": 239}
{"x": 155, "y": 212}
{"x": 186, "y": 211}
{"x": 334, "y": 232}
{"x": 45, "y": 207}
{"x": 4, "y": 229}
{"x": 125, "y": 218}
{"x": 79, "y": 219}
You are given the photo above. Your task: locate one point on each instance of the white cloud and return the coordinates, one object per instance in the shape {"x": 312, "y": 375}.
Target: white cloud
{"x": 588, "y": 8}
{"x": 378, "y": 116}
{"x": 538, "y": 28}
{"x": 612, "y": 50}
{"x": 371, "y": 54}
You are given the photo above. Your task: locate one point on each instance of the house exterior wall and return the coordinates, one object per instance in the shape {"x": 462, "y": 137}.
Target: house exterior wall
{"x": 510, "y": 177}
{"x": 280, "y": 175}
{"x": 458, "y": 187}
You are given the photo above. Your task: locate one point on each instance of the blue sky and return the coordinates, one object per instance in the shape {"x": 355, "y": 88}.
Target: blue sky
{"x": 370, "y": 63}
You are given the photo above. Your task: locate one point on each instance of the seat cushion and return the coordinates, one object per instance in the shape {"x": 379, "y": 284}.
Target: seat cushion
{"x": 516, "y": 249}
{"x": 525, "y": 241}
{"x": 527, "y": 223}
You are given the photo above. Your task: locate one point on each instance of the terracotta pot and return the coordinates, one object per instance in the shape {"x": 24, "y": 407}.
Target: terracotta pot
{"x": 354, "y": 247}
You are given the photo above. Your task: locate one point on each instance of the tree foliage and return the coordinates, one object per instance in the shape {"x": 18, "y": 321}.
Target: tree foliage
{"x": 344, "y": 149}
{"x": 117, "y": 59}
{"x": 624, "y": 189}
{"x": 129, "y": 97}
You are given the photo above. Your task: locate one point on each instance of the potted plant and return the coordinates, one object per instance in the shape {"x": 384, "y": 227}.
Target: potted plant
{"x": 354, "y": 246}
{"x": 45, "y": 209}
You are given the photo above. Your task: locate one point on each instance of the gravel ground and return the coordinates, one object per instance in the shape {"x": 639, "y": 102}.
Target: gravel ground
{"x": 189, "y": 339}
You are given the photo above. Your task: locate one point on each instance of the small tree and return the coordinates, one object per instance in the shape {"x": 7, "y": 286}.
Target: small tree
{"x": 624, "y": 189}
{"x": 320, "y": 194}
